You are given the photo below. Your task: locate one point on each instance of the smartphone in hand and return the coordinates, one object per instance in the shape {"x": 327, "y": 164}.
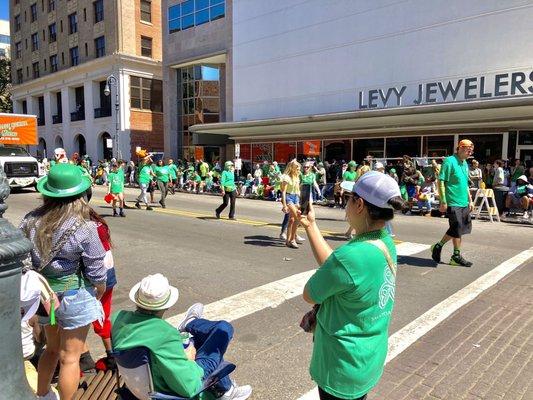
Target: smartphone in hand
{"x": 305, "y": 198}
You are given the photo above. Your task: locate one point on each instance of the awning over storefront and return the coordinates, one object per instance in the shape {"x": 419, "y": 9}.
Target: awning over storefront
{"x": 503, "y": 113}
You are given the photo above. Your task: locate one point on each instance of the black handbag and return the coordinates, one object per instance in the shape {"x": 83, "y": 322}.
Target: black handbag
{"x": 308, "y": 322}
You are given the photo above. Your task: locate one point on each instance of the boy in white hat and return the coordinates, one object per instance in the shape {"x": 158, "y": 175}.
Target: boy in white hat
{"x": 175, "y": 370}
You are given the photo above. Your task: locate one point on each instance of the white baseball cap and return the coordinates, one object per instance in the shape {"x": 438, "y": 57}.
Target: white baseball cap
{"x": 30, "y": 294}
{"x": 379, "y": 165}
{"x": 374, "y": 187}
{"x": 154, "y": 293}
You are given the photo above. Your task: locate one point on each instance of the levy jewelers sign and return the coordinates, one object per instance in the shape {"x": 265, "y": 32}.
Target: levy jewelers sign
{"x": 472, "y": 88}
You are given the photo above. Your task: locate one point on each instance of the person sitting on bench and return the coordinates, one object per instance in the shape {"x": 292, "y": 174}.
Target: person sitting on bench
{"x": 521, "y": 196}
{"x": 175, "y": 370}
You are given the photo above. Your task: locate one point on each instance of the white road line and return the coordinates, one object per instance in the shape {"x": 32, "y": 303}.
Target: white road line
{"x": 413, "y": 331}
{"x": 271, "y": 294}
{"x": 409, "y": 248}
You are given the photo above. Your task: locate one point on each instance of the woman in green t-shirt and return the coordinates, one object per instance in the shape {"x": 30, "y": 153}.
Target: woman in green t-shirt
{"x": 162, "y": 175}
{"x": 354, "y": 288}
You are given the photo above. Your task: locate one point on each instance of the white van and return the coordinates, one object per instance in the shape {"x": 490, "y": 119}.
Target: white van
{"x": 22, "y": 169}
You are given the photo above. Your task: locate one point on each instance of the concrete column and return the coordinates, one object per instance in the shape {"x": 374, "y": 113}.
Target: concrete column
{"x": 17, "y": 106}
{"x": 124, "y": 104}
{"x": 505, "y": 145}
{"x": 65, "y": 107}
{"x": 32, "y": 108}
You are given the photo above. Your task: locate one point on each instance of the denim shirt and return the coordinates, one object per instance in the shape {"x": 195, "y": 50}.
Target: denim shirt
{"x": 83, "y": 251}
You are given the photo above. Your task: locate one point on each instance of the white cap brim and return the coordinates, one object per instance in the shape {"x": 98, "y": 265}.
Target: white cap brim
{"x": 173, "y": 298}
{"x": 348, "y": 186}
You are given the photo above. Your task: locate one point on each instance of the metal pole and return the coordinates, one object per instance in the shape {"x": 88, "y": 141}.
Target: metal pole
{"x": 13, "y": 247}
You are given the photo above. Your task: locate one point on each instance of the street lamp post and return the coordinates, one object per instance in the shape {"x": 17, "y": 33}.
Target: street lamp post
{"x": 113, "y": 81}
{"x": 13, "y": 247}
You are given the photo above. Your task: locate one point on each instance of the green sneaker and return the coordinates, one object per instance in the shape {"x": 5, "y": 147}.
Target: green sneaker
{"x": 459, "y": 261}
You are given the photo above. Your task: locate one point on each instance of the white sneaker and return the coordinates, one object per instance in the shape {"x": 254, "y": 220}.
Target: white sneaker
{"x": 292, "y": 245}
{"x": 237, "y": 392}
{"x": 299, "y": 239}
{"x": 195, "y": 311}
{"x": 283, "y": 236}
{"x": 526, "y": 215}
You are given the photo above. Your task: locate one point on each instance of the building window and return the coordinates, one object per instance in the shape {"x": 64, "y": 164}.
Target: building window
{"x": 86, "y": 50}
{"x": 146, "y": 46}
{"x": 18, "y": 50}
{"x": 33, "y": 10}
{"x": 51, "y": 5}
{"x": 146, "y": 11}
{"x": 5, "y": 39}
{"x": 52, "y": 34}
{"x": 99, "y": 46}
{"x": 24, "y": 107}
{"x": 20, "y": 77}
{"x": 98, "y": 11}
{"x": 61, "y": 26}
{"x": 74, "y": 56}
{"x": 17, "y": 23}
{"x": 35, "y": 70}
{"x": 198, "y": 98}
{"x": 84, "y": 15}
{"x": 53, "y": 63}
{"x": 72, "y": 23}
{"x": 191, "y": 13}
{"x": 146, "y": 94}
{"x": 35, "y": 42}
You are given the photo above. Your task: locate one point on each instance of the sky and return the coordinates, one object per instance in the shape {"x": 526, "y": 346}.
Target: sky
{"x": 4, "y": 9}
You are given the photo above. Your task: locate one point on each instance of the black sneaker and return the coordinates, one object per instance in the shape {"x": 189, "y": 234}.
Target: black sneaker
{"x": 122, "y": 214}
{"x": 138, "y": 205}
{"x": 435, "y": 252}
{"x": 115, "y": 214}
{"x": 148, "y": 208}
{"x": 217, "y": 215}
{"x": 459, "y": 261}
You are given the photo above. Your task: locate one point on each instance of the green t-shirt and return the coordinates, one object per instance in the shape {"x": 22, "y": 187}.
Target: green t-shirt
{"x": 162, "y": 173}
{"x": 308, "y": 179}
{"x": 172, "y": 372}
{"x": 197, "y": 178}
{"x": 204, "y": 169}
{"x": 355, "y": 289}
{"x": 454, "y": 174}
{"x": 116, "y": 181}
{"x": 173, "y": 171}
{"x": 144, "y": 174}
{"x": 227, "y": 181}
{"x": 349, "y": 176}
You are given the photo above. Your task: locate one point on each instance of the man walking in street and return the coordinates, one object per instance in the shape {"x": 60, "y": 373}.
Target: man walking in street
{"x": 456, "y": 201}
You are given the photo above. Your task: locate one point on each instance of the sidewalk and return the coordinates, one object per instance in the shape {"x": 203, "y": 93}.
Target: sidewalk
{"x": 483, "y": 351}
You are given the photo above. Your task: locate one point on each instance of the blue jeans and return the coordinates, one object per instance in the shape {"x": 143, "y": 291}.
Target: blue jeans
{"x": 211, "y": 339}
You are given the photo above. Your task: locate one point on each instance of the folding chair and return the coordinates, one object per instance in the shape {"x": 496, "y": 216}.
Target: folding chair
{"x": 134, "y": 367}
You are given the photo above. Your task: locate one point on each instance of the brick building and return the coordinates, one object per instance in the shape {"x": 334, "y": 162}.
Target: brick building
{"x": 63, "y": 52}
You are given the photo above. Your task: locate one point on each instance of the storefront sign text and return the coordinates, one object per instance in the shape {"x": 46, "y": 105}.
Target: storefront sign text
{"x": 499, "y": 85}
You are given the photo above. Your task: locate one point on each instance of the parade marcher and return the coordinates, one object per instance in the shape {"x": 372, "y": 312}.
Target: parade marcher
{"x": 290, "y": 195}
{"x": 60, "y": 157}
{"x": 308, "y": 177}
{"x": 145, "y": 180}
{"x": 130, "y": 173}
{"x": 353, "y": 291}
{"x": 456, "y": 201}
{"x": 228, "y": 188}
{"x": 175, "y": 370}
{"x": 173, "y": 173}
{"x": 68, "y": 253}
{"x": 162, "y": 176}
{"x": 116, "y": 188}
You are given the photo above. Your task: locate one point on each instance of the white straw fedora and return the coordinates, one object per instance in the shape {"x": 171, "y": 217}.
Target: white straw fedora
{"x": 154, "y": 293}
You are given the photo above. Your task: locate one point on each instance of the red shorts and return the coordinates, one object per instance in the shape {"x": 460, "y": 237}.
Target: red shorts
{"x": 104, "y": 331}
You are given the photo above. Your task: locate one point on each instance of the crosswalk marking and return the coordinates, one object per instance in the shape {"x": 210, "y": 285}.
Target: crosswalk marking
{"x": 272, "y": 294}
{"x": 409, "y": 334}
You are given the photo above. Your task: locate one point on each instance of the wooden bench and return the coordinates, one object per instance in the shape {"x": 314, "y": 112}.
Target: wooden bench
{"x": 99, "y": 386}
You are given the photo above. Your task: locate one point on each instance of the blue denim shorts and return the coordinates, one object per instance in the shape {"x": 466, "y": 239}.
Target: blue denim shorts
{"x": 291, "y": 198}
{"x": 77, "y": 308}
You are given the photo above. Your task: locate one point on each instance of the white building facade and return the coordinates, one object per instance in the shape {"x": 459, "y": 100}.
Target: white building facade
{"x": 4, "y": 38}
{"x": 381, "y": 78}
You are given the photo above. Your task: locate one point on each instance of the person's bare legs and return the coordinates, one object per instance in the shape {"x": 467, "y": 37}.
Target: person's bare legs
{"x": 48, "y": 360}
{"x": 71, "y": 347}
{"x": 291, "y": 229}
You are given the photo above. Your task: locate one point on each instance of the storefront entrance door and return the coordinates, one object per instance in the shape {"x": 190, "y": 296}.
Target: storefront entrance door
{"x": 526, "y": 155}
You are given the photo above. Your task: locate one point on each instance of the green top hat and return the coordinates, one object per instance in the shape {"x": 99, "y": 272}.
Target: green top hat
{"x": 64, "y": 180}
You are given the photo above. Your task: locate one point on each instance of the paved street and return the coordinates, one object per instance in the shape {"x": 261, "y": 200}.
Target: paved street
{"x": 245, "y": 273}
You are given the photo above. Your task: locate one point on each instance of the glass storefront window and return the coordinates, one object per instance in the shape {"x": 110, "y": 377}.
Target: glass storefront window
{"x": 261, "y": 152}
{"x": 368, "y": 147}
{"x": 438, "y": 146}
{"x": 525, "y": 138}
{"x": 284, "y": 152}
{"x": 338, "y": 150}
{"x": 487, "y": 147}
{"x": 398, "y": 147}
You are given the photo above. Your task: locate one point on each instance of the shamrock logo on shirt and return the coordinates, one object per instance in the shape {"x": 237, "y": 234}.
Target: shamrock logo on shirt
{"x": 386, "y": 291}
